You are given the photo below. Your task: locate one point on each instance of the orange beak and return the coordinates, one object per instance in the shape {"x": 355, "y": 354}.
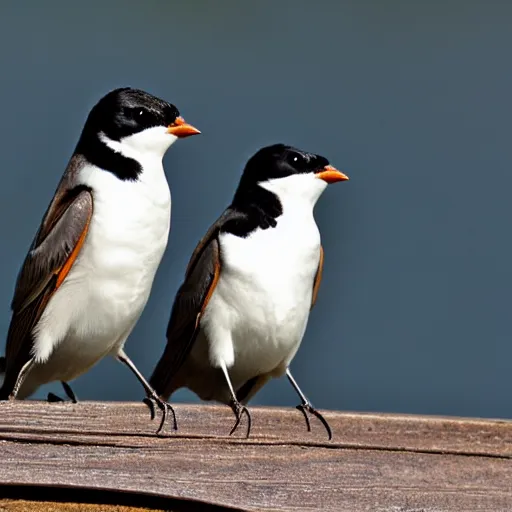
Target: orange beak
{"x": 181, "y": 129}
{"x": 331, "y": 175}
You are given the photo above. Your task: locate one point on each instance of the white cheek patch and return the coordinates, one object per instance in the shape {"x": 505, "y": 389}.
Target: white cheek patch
{"x": 153, "y": 141}
{"x": 297, "y": 188}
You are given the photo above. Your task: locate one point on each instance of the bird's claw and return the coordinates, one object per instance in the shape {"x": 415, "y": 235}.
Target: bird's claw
{"x": 165, "y": 407}
{"x": 150, "y": 403}
{"x": 238, "y": 410}
{"x": 306, "y": 417}
{"x": 307, "y": 407}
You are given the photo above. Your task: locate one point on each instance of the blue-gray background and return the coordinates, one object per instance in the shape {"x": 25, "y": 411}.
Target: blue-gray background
{"x": 411, "y": 99}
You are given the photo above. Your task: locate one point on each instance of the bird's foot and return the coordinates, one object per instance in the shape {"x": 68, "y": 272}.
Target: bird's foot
{"x": 238, "y": 410}
{"x": 165, "y": 407}
{"x": 306, "y": 407}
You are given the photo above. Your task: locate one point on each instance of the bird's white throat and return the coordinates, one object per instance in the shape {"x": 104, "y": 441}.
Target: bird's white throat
{"x": 150, "y": 143}
{"x": 297, "y": 190}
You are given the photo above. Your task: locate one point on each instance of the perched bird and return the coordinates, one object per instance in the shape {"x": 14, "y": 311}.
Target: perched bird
{"x": 240, "y": 315}
{"x": 90, "y": 268}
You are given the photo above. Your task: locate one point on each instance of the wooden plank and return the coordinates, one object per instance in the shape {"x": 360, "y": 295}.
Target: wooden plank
{"x": 375, "y": 462}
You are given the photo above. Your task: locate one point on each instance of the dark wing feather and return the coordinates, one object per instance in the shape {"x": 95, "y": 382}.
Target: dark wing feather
{"x": 228, "y": 216}
{"x": 53, "y": 251}
{"x": 201, "y": 277}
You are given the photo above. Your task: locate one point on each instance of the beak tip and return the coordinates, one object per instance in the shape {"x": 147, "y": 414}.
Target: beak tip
{"x": 182, "y": 130}
{"x": 331, "y": 175}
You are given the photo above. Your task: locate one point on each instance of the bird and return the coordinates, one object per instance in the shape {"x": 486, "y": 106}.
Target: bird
{"x": 89, "y": 270}
{"x": 241, "y": 312}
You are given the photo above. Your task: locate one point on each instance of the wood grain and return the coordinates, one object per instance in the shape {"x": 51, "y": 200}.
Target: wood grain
{"x": 375, "y": 462}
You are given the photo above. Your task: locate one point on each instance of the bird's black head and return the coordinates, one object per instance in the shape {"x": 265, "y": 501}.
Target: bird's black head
{"x": 124, "y": 112}
{"x": 280, "y": 161}
{"x": 277, "y": 176}
{"x": 138, "y": 121}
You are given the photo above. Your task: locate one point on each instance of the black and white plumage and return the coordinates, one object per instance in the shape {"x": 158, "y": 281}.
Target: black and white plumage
{"x": 90, "y": 268}
{"x": 240, "y": 315}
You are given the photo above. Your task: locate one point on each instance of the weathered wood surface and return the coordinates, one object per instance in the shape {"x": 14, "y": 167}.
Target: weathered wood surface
{"x": 375, "y": 463}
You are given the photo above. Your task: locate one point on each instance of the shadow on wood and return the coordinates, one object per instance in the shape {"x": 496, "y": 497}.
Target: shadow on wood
{"x": 375, "y": 462}
{"x": 15, "y": 498}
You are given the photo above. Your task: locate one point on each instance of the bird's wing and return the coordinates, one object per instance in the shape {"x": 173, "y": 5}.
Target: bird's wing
{"x": 50, "y": 258}
{"x": 201, "y": 278}
{"x": 227, "y": 216}
{"x": 318, "y": 277}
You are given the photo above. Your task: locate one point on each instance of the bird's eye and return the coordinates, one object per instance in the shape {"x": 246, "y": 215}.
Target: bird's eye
{"x": 296, "y": 159}
{"x": 140, "y": 115}
{"x": 143, "y": 114}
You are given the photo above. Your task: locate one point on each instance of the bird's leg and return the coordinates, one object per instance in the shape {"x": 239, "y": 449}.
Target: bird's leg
{"x": 21, "y": 377}
{"x": 152, "y": 397}
{"x": 52, "y": 397}
{"x": 237, "y": 408}
{"x": 306, "y": 407}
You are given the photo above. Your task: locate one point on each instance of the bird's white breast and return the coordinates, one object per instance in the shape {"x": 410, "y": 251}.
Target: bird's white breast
{"x": 107, "y": 288}
{"x": 258, "y": 312}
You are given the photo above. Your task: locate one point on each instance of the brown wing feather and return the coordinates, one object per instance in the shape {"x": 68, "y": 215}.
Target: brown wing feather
{"x": 50, "y": 258}
{"x": 201, "y": 278}
{"x": 318, "y": 277}
{"x": 228, "y": 216}
{"x": 188, "y": 307}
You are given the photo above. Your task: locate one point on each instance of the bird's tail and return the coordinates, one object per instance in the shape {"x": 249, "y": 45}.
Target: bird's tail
{"x": 158, "y": 380}
{"x": 3, "y": 394}
{"x": 161, "y": 380}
